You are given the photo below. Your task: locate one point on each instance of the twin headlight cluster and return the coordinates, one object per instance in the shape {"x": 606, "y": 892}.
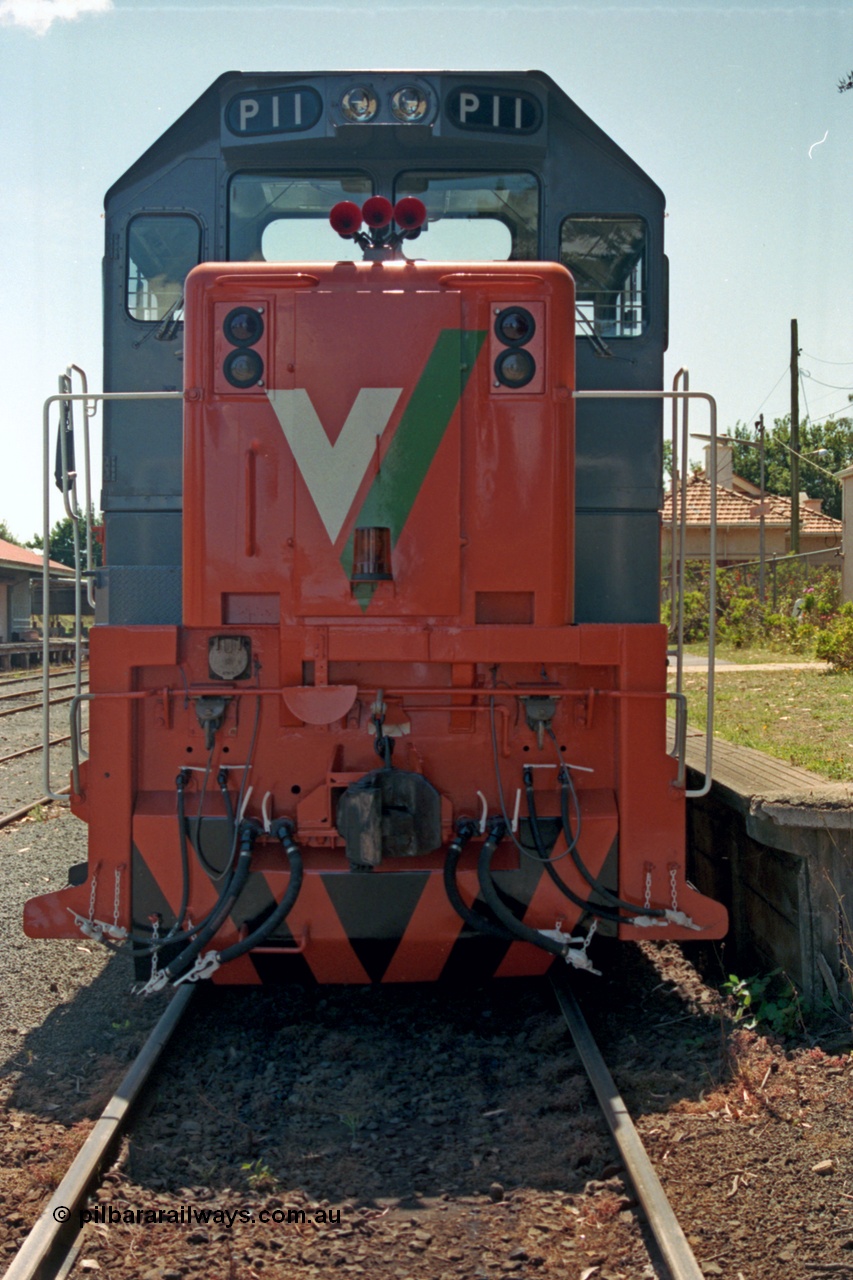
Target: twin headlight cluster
{"x": 243, "y": 328}
{"x": 408, "y": 104}
{"x": 514, "y": 327}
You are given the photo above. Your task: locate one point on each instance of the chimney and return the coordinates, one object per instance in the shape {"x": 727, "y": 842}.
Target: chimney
{"x": 725, "y": 468}
{"x": 811, "y": 504}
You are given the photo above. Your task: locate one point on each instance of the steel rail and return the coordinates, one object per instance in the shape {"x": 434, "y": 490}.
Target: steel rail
{"x": 27, "y": 693}
{"x": 37, "y": 706}
{"x": 7, "y": 818}
{"x": 28, "y": 751}
{"x": 670, "y": 1238}
{"x": 22, "y": 677}
{"x": 55, "y": 1231}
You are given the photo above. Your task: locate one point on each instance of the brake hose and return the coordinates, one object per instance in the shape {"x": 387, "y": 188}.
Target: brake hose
{"x": 484, "y": 874}
{"x": 249, "y": 831}
{"x": 567, "y": 787}
{"x": 284, "y": 832}
{"x": 465, "y": 829}
{"x": 602, "y": 912}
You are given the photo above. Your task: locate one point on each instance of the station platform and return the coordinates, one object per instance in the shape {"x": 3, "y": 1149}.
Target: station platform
{"x": 775, "y": 843}
{"x": 27, "y": 653}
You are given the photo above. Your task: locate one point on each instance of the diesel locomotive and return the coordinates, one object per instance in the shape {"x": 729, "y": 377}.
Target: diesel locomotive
{"x": 377, "y": 677}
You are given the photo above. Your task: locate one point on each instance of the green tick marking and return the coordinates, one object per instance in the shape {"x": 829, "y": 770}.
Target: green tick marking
{"x": 422, "y": 426}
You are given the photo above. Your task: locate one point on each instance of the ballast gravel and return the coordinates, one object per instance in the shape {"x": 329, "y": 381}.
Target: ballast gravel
{"x": 407, "y": 1132}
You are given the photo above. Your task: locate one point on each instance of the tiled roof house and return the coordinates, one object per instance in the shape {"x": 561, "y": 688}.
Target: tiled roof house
{"x": 738, "y": 522}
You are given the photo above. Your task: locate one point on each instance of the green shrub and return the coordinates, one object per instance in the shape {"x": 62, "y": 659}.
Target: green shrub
{"x": 835, "y": 643}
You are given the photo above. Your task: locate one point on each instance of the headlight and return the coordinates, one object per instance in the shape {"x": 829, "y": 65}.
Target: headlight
{"x": 515, "y": 367}
{"x": 359, "y": 104}
{"x": 409, "y": 104}
{"x": 243, "y": 368}
{"x": 243, "y": 327}
{"x": 515, "y": 326}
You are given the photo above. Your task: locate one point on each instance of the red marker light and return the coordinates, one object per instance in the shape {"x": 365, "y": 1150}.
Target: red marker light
{"x": 346, "y": 218}
{"x": 377, "y": 212}
{"x": 410, "y": 213}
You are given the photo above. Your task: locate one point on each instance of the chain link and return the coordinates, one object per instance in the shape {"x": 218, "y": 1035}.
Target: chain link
{"x": 647, "y": 900}
{"x": 155, "y": 934}
{"x": 673, "y": 870}
{"x": 92, "y": 893}
{"x": 117, "y": 898}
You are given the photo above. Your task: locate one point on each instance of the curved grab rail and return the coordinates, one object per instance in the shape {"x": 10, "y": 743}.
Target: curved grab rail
{"x": 712, "y": 603}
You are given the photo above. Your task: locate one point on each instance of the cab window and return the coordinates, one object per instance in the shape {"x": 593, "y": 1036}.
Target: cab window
{"x": 474, "y": 217}
{"x": 607, "y": 257}
{"x": 161, "y": 250}
{"x": 285, "y": 217}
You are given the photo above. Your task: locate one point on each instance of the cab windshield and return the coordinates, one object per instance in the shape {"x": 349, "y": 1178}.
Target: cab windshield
{"x": 472, "y": 217}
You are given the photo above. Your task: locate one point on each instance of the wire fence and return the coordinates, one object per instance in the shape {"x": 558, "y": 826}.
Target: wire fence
{"x": 787, "y": 578}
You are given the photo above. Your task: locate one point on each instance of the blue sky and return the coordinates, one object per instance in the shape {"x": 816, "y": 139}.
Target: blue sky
{"x": 732, "y": 108}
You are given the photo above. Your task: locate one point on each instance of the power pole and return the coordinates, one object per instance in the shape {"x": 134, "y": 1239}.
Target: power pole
{"x": 795, "y": 440}
{"x": 759, "y": 426}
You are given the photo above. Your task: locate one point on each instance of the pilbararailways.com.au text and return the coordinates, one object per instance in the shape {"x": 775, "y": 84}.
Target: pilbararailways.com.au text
{"x": 188, "y": 1215}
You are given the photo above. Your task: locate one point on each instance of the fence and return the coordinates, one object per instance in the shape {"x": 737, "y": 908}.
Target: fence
{"x": 786, "y": 578}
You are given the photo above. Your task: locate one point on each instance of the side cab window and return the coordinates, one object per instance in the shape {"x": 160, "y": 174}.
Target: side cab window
{"x": 607, "y": 257}
{"x": 161, "y": 249}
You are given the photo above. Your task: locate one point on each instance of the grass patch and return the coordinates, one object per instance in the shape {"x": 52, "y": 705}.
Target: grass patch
{"x": 730, "y": 653}
{"x": 803, "y": 717}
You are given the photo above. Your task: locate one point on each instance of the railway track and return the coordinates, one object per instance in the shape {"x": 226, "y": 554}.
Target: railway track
{"x": 54, "y": 1244}
{"x": 37, "y": 706}
{"x": 23, "y": 693}
{"x": 51, "y": 1247}
{"x": 25, "y": 786}
{"x": 35, "y": 677}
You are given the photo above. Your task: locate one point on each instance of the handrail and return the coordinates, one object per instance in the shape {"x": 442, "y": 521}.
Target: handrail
{"x": 679, "y": 524}
{"x": 69, "y": 497}
{"x": 712, "y": 622}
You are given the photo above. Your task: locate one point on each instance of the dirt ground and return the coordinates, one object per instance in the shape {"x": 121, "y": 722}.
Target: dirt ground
{"x": 447, "y": 1135}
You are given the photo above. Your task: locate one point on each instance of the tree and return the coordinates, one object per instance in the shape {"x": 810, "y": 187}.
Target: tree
{"x": 836, "y": 436}
{"x": 61, "y": 542}
{"x": 7, "y": 535}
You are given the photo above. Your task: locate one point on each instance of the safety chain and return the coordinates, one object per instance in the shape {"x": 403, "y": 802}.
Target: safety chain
{"x": 92, "y": 892}
{"x": 647, "y": 900}
{"x": 117, "y": 900}
{"x": 573, "y": 954}
{"x": 155, "y": 934}
{"x": 97, "y": 929}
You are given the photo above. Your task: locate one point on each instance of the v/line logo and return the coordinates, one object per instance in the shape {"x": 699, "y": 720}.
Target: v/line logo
{"x": 333, "y": 473}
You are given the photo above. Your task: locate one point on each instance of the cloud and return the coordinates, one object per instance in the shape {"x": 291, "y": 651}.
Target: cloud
{"x": 39, "y": 15}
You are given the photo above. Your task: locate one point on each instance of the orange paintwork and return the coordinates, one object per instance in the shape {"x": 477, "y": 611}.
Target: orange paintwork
{"x": 378, "y": 396}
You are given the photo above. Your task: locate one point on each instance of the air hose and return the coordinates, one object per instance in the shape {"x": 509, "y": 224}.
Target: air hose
{"x": 146, "y": 944}
{"x": 465, "y": 829}
{"x": 593, "y": 908}
{"x": 283, "y": 831}
{"x": 567, "y": 788}
{"x": 497, "y": 830}
{"x": 248, "y": 833}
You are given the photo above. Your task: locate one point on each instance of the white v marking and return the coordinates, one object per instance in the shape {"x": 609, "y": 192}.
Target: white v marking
{"x": 333, "y": 472}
